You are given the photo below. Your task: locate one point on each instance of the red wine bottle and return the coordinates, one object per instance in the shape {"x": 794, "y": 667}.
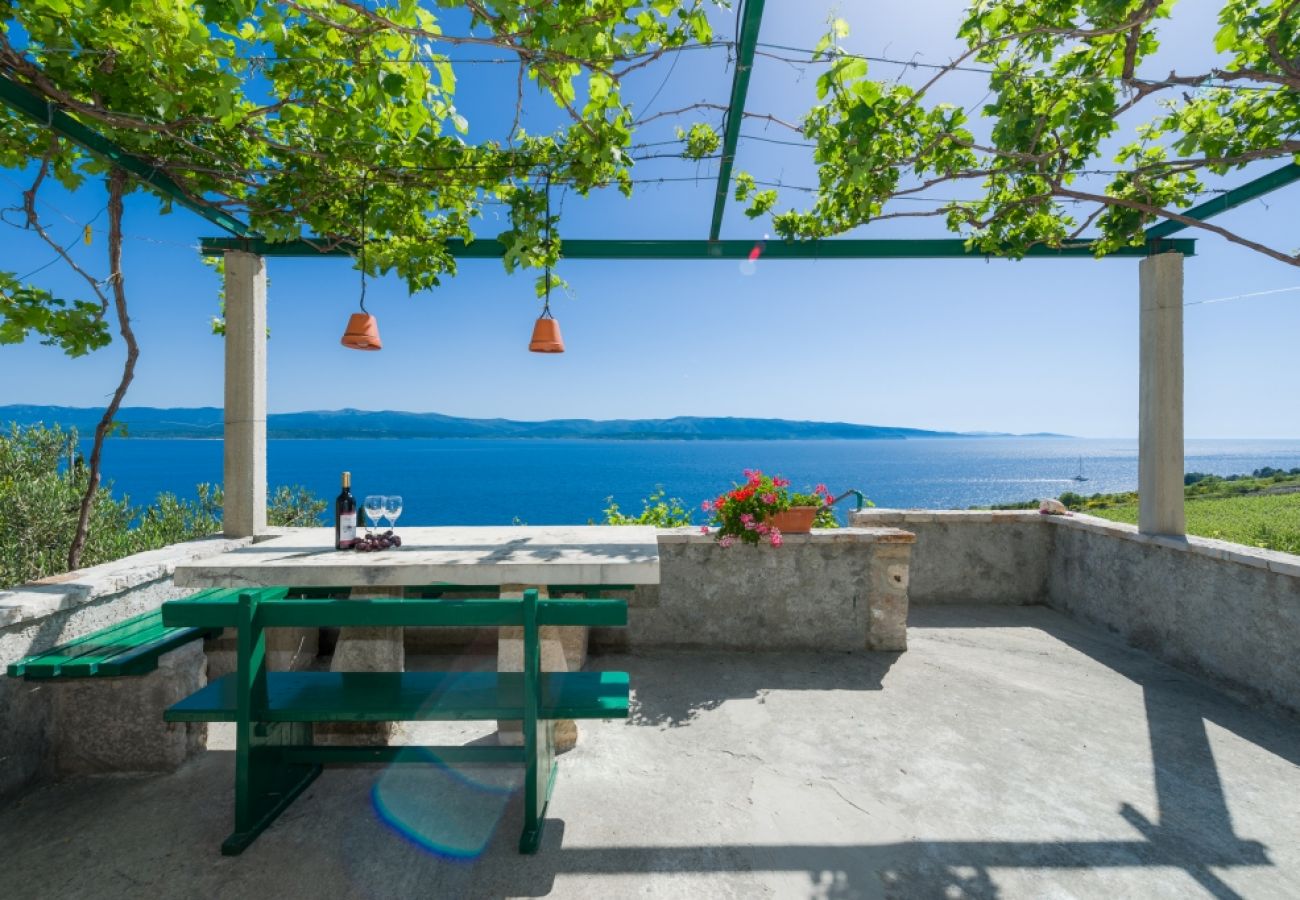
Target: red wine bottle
{"x": 345, "y": 516}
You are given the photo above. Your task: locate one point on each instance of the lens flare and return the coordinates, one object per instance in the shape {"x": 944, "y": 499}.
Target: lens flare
{"x": 749, "y": 265}
{"x": 450, "y": 812}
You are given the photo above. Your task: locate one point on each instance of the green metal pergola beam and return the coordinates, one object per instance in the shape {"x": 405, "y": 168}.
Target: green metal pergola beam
{"x": 1224, "y": 202}
{"x": 746, "y": 41}
{"x": 49, "y": 115}
{"x": 579, "y": 248}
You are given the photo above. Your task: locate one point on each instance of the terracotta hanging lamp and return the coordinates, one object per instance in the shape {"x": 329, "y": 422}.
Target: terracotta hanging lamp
{"x": 546, "y": 334}
{"x": 546, "y": 330}
{"x": 362, "y": 332}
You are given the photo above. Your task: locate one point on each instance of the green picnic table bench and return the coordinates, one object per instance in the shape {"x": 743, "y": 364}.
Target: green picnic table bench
{"x": 131, "y": 647}
{"x": 273, "y": 712}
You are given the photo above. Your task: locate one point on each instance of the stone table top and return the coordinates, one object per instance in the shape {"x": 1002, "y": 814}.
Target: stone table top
{"x": 563, "y": 554}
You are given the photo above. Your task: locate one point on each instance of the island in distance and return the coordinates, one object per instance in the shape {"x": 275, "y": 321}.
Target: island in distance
{"x": 205, "y": 422}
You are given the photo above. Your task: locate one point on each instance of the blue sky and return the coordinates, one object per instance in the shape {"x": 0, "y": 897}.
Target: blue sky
{"x": 1037, "y": 345}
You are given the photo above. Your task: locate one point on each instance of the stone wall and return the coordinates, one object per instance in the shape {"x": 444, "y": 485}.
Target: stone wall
{"x": 972, "y": 556}
{"x": 40, "y": 615}
{"x": 842, "y": 589}
{"x": 1218, "y": 609}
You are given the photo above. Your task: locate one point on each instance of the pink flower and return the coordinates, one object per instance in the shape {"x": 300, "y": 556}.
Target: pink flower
{"x": 822, "y": 489}
{"x": 727, "y": 540}
{"x": 750, "y": 526}
{"x": 775, "y": 538}
{"x": 746, "y": 518}
{"x": 704, "y": 529}
{"x": 781, "y": 482}
{"x": 707, "y": 506}
{"x": 769, "y": 498}
{"x": 764, "y": 528}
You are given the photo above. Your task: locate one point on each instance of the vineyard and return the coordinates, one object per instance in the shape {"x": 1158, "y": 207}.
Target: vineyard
{"x": 1270, "y": 521}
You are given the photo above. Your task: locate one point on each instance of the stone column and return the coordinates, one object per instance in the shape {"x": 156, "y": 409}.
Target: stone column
{"x": 564, "y": 649}
{"x": 1160, "y": 396}
{"x": 365, "y": 650}
{"x": 244, "y": 439}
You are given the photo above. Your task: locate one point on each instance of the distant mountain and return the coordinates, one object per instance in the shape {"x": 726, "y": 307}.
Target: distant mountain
{"x": 205, "y": 422}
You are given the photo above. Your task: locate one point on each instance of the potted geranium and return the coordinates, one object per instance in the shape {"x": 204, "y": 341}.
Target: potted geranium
{"x": 764, "y": 508}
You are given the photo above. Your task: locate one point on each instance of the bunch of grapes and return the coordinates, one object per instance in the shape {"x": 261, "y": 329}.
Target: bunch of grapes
{"x": 370, "y": 543}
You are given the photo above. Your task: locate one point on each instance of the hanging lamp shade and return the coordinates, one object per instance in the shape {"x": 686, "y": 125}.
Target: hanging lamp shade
{"x": 362, "y": 333}
{"x": 546, "y": 336}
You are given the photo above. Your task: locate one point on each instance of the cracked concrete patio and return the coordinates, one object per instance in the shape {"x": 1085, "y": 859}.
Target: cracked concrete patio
{"x": 1011, "y": 752}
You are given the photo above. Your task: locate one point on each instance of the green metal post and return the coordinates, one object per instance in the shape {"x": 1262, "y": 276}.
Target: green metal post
{"x": 539, "y": 734}
{"x": 751, "y": 18}
{"x": 265, "y": 784}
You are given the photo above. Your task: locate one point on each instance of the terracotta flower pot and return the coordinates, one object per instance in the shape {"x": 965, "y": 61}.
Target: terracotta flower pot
{"x": 546, "y": 337}
{"x": 362, "y": 333}
{"x": 795, "y": 520}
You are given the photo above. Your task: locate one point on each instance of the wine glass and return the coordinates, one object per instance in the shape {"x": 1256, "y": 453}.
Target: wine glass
{"x": 374, "y": 505}
{"x": 392, "y": 508}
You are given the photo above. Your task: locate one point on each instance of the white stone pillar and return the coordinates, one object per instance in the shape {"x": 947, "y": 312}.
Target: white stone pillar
{"x": 1160, "y": 400}
{"x": 244, "y": 450}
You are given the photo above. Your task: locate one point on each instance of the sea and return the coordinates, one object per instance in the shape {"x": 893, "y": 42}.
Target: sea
{"x": 547, "y": 482}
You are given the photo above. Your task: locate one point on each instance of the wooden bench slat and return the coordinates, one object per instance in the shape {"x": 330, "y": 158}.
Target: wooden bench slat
{"x": 388, "y": 612}
{"x": 48, "y": 663}
{"x": 142, "y": 659}
{"x": 86, "y": 663}
{"x": 411, "y": 696}
{"x": 218, "y": 610}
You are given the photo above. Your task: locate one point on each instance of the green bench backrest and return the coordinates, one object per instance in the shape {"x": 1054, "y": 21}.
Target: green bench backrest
{"x": 276, "y": 610}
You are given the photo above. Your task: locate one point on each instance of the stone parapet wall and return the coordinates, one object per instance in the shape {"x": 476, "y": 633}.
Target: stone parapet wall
{"x": 1219, "y": 609}
{"x": 976, "y": 556}
{"x": 842, "y": 589}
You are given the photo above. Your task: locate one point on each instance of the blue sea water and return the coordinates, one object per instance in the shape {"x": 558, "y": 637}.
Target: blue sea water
{"x": 542, "y": 482}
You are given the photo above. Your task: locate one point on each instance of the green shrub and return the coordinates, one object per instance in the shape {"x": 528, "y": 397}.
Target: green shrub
{"x": 42, "y": 478}
{"x": 658, "y": 510}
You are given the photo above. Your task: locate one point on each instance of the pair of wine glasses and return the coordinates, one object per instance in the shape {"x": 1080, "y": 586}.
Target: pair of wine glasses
{"x": 382, "y": 506}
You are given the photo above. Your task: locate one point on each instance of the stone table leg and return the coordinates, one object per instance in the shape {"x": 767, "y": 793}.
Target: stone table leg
{"x": 564, "y": 649}
{"x": 287, "y": 650}
{"x": 365, "y": 650}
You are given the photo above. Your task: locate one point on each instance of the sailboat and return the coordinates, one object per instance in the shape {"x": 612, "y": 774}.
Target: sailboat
{"x": 1079, "y": 476}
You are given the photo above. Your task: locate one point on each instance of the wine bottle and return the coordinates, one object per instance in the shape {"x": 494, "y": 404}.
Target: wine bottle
{"x": 345, "y": 516}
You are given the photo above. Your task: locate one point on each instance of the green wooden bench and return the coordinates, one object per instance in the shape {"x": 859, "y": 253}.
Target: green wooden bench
{"x": 273, "y": 712}
{"x": 131, "y": 647}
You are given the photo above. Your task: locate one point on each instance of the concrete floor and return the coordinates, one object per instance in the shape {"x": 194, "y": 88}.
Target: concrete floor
{"x": 1011, "y": 752}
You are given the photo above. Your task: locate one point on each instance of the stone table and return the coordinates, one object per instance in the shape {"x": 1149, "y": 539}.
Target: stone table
{"x": 509, "y": 559}
{"x": 530, "y": 555}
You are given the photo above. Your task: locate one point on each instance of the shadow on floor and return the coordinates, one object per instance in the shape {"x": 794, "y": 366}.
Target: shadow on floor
{"x": 1194, "y": 829}
{"x": 699, "y": 684}
{"x": 907, "y": 870}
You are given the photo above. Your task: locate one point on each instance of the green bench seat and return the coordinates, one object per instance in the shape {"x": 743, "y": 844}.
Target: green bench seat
{"x": 131, "y": 647}
{"x": 410, "y": 697}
